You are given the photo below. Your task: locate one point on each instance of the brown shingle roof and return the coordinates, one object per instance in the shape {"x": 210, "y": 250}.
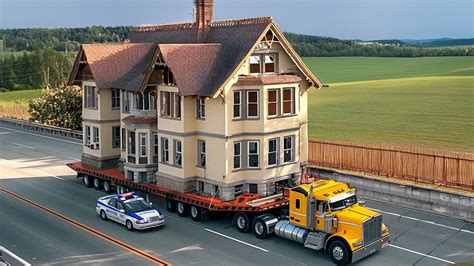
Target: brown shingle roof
{"x": 140, "y": 119}
{"x": 267, "y": 80}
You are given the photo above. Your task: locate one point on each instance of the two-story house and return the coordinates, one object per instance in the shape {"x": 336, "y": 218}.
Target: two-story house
{"x": 218, "y": 107}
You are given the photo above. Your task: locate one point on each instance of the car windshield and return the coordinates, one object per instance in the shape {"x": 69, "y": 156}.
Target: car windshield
{"x": 344, "y": 203}
{"x": 137, "y": 206}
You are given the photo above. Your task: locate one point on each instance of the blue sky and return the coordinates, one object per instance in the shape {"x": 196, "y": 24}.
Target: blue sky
{"x": 347, "y": 19}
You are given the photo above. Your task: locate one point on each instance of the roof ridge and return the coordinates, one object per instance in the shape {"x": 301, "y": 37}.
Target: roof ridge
{"x": 164, "y": 27}
{"x": 189, "y": 44}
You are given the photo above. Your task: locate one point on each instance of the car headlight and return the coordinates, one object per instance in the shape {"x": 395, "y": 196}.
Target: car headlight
{"x": 357, "y": 243}
{"x": 141, "y": 221}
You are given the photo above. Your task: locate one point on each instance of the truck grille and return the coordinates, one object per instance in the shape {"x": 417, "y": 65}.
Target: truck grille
{"x": 372, "y": 229}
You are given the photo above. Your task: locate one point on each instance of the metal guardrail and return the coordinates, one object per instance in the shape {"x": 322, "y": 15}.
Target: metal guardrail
{"x": 44, "y": 129}
{"x": 8, "y": 258}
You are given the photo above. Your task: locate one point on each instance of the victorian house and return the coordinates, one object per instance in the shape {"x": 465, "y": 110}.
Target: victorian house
{"x": 217, "y": 107}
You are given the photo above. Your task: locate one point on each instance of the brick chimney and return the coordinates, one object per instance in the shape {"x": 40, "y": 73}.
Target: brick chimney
{"x": 203, "y": 16}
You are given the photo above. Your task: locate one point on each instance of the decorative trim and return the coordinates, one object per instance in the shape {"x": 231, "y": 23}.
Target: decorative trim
{"x": 221, "y": 136}
{"x": 100, "y": 121}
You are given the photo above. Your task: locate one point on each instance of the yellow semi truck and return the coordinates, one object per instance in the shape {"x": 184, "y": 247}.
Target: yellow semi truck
{"x": 325, "y": 215}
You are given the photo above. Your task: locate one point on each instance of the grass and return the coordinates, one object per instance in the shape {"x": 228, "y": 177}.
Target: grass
{"x": 434, "y": 112}
{"x": 348, "y": 69}
{"x": 15, "y": 103}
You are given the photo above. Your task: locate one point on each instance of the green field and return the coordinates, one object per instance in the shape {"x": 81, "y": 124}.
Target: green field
{"x": 15, "y": 103}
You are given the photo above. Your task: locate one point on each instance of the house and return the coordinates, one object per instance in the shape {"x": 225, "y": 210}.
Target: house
{"x": 216, "y": 107}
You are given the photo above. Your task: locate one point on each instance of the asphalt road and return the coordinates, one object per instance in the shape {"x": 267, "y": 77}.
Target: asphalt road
{"x": 33, "y": 166}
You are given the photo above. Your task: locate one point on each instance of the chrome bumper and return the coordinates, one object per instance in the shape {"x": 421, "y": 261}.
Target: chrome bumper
{"x": 370, "y": 248}
{"x": 149, "y": 225}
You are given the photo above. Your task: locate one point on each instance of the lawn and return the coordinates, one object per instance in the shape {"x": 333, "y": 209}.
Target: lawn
{"x": 15, "y": 103}
{"x": 435, "y": 112}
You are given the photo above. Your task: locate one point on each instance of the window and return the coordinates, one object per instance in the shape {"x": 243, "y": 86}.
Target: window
{"x": 115, "y": 137}
{"x": 87, "y": 135}
{"x": 255, "y": 64}
{"x": 201, "y": 108}
{"x": 165, "y": 151}
{"x": 272, "y": 152}
{"x": 131, "y": 142}
{"x": 168, "y": 78}
{"x": 155, "y": 144}
{"x": 143, "y": 144}
{"x": 252, "y": 104}
{"x": 91, "y": 97}
{"x": 124, "y": 139}
{"x": 270, "y": 63}
{"x": 115, "y": 99}
{"x": 145, "y": 100}
{"x": 288, "y": 149}
{"x": 170, "y": 104}
{"x": 126, "y": 102}
{"x": 253, "y": 154}
{"x": 119, "y": 206}
{"x": 178, "y": 153}
{"x": 177, "y": 105}
{"x": 96, "y": 138}
{"x": 237, "y": 155}
{"x": 166, "y": 103}
{"x": 237, "y": 104}
{"x": 201, "y": 153}
{"x": 297, "y": 203}
{"x": 239, "y": 189}
{"x": 253, "y": 188}
{"x": 273, "y": 102}
{"x": 112, "y": 202}
{"x": 288, "y": 101}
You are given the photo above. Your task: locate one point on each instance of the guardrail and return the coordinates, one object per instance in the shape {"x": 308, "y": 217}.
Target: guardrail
{"x": 44, "y": 129}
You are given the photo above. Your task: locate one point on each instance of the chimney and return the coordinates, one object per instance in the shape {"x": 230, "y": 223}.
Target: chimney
{"x": 203, "y": 9}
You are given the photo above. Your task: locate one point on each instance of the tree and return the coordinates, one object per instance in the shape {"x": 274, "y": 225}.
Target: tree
{"x": 60, "y": 107}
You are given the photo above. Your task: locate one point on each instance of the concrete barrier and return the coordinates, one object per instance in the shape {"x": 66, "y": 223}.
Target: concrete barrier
{"x": 459, "y": 205}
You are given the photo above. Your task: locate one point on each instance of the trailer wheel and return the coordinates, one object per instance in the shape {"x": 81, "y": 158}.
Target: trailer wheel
{"x": 259, "y": 228}
{"x": 170, "y": 205}
{"x": 196, "y": 214}
{"x": 182, "y": 209}
{"x": 97, "y": 184}
{"x": 338, "y": 252}
{"x": 107, "y": 187}
{"x": 87, "y": 181}
{"x": 241, "y": 222}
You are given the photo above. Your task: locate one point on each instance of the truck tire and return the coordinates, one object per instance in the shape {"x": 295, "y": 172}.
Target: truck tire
{"x": 107, "y": 187}
{"x": 241, "y": 222}
{"x": 182, "y": 209}
{"x": 87, "y": 181}
{"x": 170, "y": 205}
{"x": 259, "y": 228}
{"x": 97, "y": 183}
{"x": 338, "y": 252}
{"x": 196, "y": 213}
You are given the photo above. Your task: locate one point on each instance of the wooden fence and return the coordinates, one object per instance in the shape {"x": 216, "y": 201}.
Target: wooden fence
{"x": 439, "y": 168}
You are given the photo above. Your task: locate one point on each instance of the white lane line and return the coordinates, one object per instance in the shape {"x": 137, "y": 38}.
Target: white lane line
{"x": 11, "y": 254}
{"x": 424, "y": 221}
{"x": 21, "y": 145}
{"x": 236, "y": 240}
{"x": 50, "y": 175}
{"x": 28, "y": 133}
{"x": 422, "y": 254}
{"x": 72, "y": 158}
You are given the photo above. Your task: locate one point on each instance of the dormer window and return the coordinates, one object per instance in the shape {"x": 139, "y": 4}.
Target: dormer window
{"x": 255, "y": 64}
{"x": 168, "y": 78}
{"x": 270, "y": 63}
{"x": 262, "y": 63}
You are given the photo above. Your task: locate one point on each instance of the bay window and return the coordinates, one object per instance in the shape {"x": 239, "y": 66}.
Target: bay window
{"x": 252, "y": 104}
{"x": 253, "y": 154}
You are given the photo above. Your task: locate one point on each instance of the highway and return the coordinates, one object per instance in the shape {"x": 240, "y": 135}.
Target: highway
{"x": 33, "y": 167}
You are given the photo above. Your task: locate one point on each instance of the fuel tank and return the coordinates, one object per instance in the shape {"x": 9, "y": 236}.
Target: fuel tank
{"x": 286, "y": 230}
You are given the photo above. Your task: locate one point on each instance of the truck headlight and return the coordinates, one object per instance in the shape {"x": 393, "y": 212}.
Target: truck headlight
{"x": 384, "y": 230}
{"x": 357, "y": 243}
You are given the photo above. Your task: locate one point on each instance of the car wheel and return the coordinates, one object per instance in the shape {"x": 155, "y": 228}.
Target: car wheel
{"x": 242, "y": 222}
{"x": 103, "y": 215}
{"x": 87, "y": 181}
{"x": 182, "y": 209}
{"x": 170, "y": 205}
{"x": 129, "y": 225}
{"x": 107, "y": 187}
{"x": 195, "y": 213}
{"x": 259, "y": 228}
{"x": 338, "y": 252}
{"x": 97, "y": 184}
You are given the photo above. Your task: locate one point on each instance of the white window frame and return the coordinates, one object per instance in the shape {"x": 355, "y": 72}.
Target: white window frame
{"x": 293, "y": 102}
{"x": 249, "y": 154}
{"x": 237, "y": 104}
{"x": 131, "y": 144}
{"x": 116, "y": 139}
{"x": 259, "y": 58}
{"x": 87, "y": 135}
{"x": 91, "y": 97}
{"x": 155, "y": 144}
{"x": 115, "y": 94}
{"x": 291, "y": 149}
{"x": 201, "y": 108}
{"x": 264, "y": 63}
{"x": 202, "y": 154}
{"x": 165, "y": 150}
{"x": 126, "y": 102}
{"x": 178, "y": 152}
{"x": 143, "y": 144}
{"x": 277, "y": 102}
{"x": 258, "y": 104}
{"x": 239, "y": 155}
{"x": 275, "y": 152}
{"x": 96, "y": 138}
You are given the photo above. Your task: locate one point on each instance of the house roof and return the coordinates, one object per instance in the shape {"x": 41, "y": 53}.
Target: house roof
{"x": 267, "y": 79}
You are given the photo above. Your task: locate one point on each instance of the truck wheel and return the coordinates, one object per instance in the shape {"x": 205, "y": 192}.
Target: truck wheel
{"x": 103, "y": 215}
{"x": 241, "y": 222}
{"x": 97, "y": 184}
{"x": 195, "y": 213}
{"x": 129, "y": 225}
{"x": 87, "y": 180}
{"x": 182, "y": 209}
{"x": 170, "y": 205}
{"x": 107, "y": 187}
{"x": 259, "y": 228}
{"x": 338, "y": 252}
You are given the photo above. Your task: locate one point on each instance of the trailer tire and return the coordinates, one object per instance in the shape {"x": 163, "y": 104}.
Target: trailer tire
{"x": 97, "y": 183}
{"x": 241, "y": 222}
{"x": 182, "y": 209}
{"x": 107, "y": 187}
{"x": 259, "y": 228}
{"x": 87, "y": 181}
{"x": 339, "y": 252}
{"x": 170, "y": 205}
{"x": 196, "y": 213}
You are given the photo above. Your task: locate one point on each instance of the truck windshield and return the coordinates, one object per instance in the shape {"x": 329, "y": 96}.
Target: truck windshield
{"x": 344, "y": 203}
{"x": 137, "y": 206}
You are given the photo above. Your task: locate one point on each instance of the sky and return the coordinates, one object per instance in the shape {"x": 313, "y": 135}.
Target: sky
{"x": 345, "y": 19}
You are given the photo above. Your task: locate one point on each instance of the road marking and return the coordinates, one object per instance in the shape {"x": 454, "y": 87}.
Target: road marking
{"x": 424, "y": 221}
{"x": 14, "y": 256}
{"x": 422, "y": 254}
{"x": 90, "y": 230}
{"x": 28, "y": 133}
{"x": 236, "y": 240}
{"x": 50, "y": 175}
{"x": 21, "y": 145}
{"x": 72, "y": 158}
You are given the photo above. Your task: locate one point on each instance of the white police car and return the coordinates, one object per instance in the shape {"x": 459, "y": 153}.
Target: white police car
{"x": 129, "y": 209}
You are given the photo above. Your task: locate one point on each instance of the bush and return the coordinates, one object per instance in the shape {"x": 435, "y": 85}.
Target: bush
{"x": 60, "y": 107}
